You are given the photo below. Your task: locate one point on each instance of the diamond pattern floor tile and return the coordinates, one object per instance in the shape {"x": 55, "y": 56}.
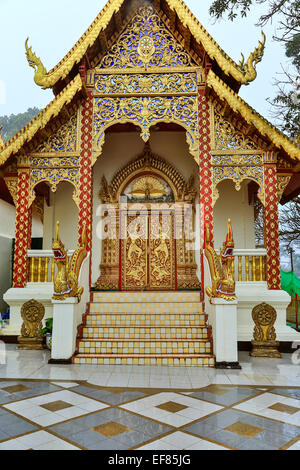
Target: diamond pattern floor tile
{"x": 74, "y": 415}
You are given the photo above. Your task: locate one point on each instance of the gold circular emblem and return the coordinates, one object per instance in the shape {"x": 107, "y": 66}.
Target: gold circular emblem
{"x": 146, "y": 48}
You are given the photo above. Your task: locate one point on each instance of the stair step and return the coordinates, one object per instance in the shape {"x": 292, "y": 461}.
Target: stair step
{"x": 198, "y": 360}
{"x": 145, "y": 328}
{"x": 146, "y": 332}
{"x": 142, "y": 319}
{"x": 102, "y": 346}
{"x": 146, "y": 308}
{"x": 155, "y": 297}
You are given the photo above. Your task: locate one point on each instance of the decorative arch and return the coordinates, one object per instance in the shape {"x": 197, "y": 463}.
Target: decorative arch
{"x": 148, "y": 163}
{"x": 53, "y": 187}
{"x": 145, "y": 112}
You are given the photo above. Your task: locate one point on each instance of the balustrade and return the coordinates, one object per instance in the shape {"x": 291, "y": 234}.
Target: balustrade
{"x": 250, "y": 265}
{"x": 41, "y": 266}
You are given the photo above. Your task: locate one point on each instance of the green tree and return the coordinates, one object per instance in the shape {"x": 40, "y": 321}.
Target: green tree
{"x": 13, "y": 123}
{"x": 286, "y": 104}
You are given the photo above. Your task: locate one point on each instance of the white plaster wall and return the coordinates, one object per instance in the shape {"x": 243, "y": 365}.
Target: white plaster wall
{"x": 7, "y": 233}
{"x": 63, "y": 209}
{"x": 8, "y": 222}
{"x": 118, "y": 150}
{"x": 234, "y": 205}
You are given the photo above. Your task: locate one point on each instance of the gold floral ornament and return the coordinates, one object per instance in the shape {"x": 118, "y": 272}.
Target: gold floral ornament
{"x": 223, "y": 284}
{"x": 32, "y": 313}
{"x": 66, "y": 281}
{"x": 146, "y": 49}
{"x": 264, "y": 342}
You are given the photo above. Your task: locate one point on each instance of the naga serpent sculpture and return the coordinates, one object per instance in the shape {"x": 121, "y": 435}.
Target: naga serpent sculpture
{"x": 223, "y": 284}
{"x": 66, "y": 281}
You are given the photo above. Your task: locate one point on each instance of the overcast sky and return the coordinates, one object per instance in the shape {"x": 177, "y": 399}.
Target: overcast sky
{"x": 55, "y": 26}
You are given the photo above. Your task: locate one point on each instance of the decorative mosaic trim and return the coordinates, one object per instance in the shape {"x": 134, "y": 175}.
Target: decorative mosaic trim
{"x": 86, "y": 180}
{"x": 205, "y": 167}
{"x": 23, "y": 230}
{"x": 271, "y": 228}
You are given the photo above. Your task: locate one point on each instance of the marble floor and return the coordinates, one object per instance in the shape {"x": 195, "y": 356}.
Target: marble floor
{"x": 59, "y": 407}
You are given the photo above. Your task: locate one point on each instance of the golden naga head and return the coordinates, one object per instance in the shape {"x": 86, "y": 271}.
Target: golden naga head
{"x": 248, "y": 68}
{"x": 58, "y": 247}
{"x": 36, "y": 63}
{"x": 228, "y": 245}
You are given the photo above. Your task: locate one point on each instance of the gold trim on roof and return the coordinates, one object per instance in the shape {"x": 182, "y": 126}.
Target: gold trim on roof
{"x": 49, "y": 79}
{"x": 244, "y": 72}
{"x": 41, "y": 120}
{"x": 251, "y": 116}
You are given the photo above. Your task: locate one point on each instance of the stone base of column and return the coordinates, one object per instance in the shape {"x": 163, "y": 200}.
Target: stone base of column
{"x": 265, "y": 349}
{"x": 30, "y": 343}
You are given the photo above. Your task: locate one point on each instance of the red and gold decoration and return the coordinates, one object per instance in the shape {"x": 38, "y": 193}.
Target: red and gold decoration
{"x": 23, "y": 230}
{"x": 205, "y": 168}
{"x": 271, "y": 229}
{"x": 85, "y": 185}
{"x": 32, "y": 313}
{"x": 264, "y": 342}
{"x": 221, "y": 267}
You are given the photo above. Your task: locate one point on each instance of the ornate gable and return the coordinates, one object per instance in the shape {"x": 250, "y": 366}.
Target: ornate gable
{"x": 146, "y": 42}
{"x": 64, "y": 140}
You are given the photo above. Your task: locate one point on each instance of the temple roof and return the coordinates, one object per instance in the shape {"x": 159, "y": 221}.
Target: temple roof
{"x": 265, "y": 128}
{"x": 217, "y": 85}
{"x": 114, "y": 16}
{"x": 15, "y": 144}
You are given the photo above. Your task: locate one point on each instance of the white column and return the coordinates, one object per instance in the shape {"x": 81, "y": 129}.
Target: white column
{"x": 64, "y": 328}
{"x": 223, "y": 319}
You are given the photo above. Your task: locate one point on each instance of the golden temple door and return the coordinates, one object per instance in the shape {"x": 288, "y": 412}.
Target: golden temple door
{"x": 147, "y": 250}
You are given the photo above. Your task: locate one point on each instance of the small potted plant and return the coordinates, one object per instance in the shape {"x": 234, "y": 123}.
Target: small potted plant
{"x": 47, "y": 332}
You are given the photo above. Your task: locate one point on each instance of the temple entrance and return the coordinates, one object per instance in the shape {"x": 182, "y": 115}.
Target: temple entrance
{"x": 149, "y": 236}
{"x": 148, "y": 250}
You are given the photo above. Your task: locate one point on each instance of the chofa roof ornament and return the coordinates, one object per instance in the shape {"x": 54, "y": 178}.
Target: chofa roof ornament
{"x": 249, "y": 68}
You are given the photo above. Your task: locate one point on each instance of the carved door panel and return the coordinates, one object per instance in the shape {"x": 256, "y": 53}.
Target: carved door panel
{"x": 148, "y": 252}
{"x": 161, "y": 252}
{"x": 134, "y": 275}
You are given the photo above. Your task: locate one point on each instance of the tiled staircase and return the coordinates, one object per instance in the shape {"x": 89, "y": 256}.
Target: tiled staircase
{"x": 145, "y": 328}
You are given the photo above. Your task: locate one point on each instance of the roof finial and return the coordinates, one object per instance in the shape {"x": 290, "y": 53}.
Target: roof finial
{"x": 36, "y": 63}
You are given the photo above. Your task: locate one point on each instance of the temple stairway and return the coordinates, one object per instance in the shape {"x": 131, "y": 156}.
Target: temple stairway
{"x": 145, "y": 328}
